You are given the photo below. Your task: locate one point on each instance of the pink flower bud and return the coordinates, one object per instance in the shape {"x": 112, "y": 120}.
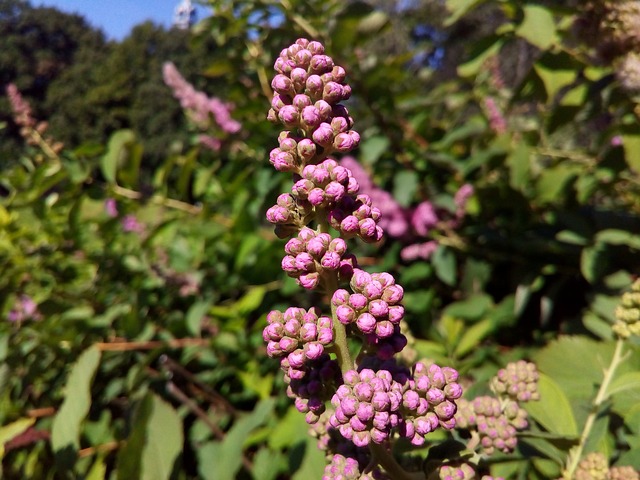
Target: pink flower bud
{"x": 313, "y": 350}
{"x": 330, "y": 261}
{"x": 309, "y": 280}
{"x": 316, "y": 196}
{"x": 308, "y": 332}
{"x": 393, "y": 294}
{"x": 288, "y": 344}
{"x": 321, "y": 64}
{"x": 310, "y": 117}
{"x": 288, "y": 264}
{"x": 366, "y": 323}
{"x": 282, "y": 84}
{"x": 378, "y": 308}
{"x": 316, "y": 48}
{"x": 301, "y": 101}
{"x": 277, "y": 214}
{"x": 396, "y": 314}
{"x": 298, "y": 78}
{"x": 338, "y": 245}
{"x": 345, "y": 314}
{"x": 289, "y": 116}
{"x": 343, "y": 143}
{"x": 306, "y": 149}
{"x": 358, "y": 301}
{"x": 339, "y": 125}
{"x": 338, "y": 73}
{"x": 314, "y": 86}
{"x": 340, "y": 297}
{"x": 365, "y": 411}
{"x": 305, "y": 262}
{"x": 332, "y": 92}
{"x": 296, "y": 359}
{"x": 334, "y": 191}
{"x": 384, "y": 329}
{"x": 323, "y": 135}
{"x": 303, "y": 58}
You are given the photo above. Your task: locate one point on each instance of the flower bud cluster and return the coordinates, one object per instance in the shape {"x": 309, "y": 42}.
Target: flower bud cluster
{"x": 308, "y": 89}
{"x": 623, "y": 473}
{"x": 428, "y": 401}
{"x": 347, "y": 468}
{"x": 366, "y": 406}
{"x": 314, "y": 387}
{"x": 628, "y": 313}
{"x": 310, "y": 254}
{"x": 325, "y": 184}
{"x": 495, "y": 422}
{"x": 457, "y": 471}
{"x": 518, "y": 380}
{"x": 357, "y": 217}
{"x": 297, "y": 335}
{"x": 371, "y": 404}
{"x": 593, "y": 467}
{"x": 373, "y": 310}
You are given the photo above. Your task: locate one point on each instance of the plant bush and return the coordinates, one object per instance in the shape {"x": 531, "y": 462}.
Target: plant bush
{"x": 500, "y": 143}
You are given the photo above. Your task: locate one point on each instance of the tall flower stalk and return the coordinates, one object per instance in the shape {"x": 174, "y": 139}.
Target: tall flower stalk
{"x": 339, "y": 360}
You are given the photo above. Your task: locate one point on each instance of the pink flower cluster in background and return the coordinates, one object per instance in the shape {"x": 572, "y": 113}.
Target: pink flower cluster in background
{"x": 410, "y": 224}
{"x": 200, "y": 107}
{"x": 24, "y": 309}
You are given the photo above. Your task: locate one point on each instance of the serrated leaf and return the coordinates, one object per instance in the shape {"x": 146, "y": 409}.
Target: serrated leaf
{"x": 164, "y": 441}
{"x": 538, "y": 27}
{"x": 576, "y": 364}
{"x": 553, "y": 410}
{"x": 65, "y": 431}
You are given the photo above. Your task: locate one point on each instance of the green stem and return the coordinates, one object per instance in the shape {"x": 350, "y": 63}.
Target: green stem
{"x": 601, "y": 397}
{"x": 340, "y": 345}
{"x": 386, "y": 460}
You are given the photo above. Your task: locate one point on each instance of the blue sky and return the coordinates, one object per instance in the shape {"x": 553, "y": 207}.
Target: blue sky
{"x": 117, "y": 17}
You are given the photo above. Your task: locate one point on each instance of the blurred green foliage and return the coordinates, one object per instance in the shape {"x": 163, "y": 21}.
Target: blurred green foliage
{"x": 146, "y": 358}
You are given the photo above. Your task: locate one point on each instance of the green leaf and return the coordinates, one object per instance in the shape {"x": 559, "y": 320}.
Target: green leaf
{"x": 313, "y": 463}
{"x": 483, "y": 50}
{"x": 473, "y": 336}
{"x": 405, "y": 184}
{"x": 631, "y": 145}
{"x": 222, "y": 460}
{"x": 619, "y": 237}
{"x": 538, "y": 27}
{"x": 195, "y": 314}
{"x": 471, "y": 308}
{"x": 519, "y": 163}
{"x": 164, "y": 441}
{"x": 117, "y": 153}
{"x": 594, "y": 262}
{"x": 12, "y": 430}
{"x": 373, "y": 147}
{"x": 65, "y": 431}
{"x": 576, "y": 363}
{"x": 459, "y": 8}
{"x": 444, "y": 263}
{"x": 628, "y": 381}
{"x": 267, "y": 464}
{"x": 553, "y": 410}
{"x": 553, "y": 182}
{"x": 129, "y": 463}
